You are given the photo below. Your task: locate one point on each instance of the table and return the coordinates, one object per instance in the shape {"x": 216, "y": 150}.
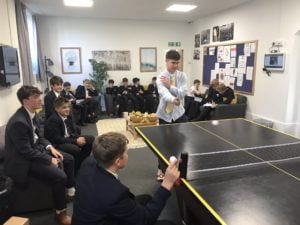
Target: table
{"x": 238, "y": 172}
{"x": 130, "y": 126}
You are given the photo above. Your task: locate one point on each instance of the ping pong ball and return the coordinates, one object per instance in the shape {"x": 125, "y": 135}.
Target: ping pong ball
{"x": 172, "y": 160}
{"x": 215, "y": 122}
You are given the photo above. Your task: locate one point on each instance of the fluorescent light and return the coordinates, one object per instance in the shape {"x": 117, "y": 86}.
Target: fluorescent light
{"x": 181, "y": 8}
{"x": 79, "y": 3}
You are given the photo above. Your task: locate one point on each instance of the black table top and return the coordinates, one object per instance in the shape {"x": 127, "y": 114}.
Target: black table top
{"x": 267, "y": 193}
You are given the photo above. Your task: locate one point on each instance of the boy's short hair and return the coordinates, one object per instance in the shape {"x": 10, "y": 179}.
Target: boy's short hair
{"x": 154, "y": 78}
{"x": 124, "y": 80}
{"x": 59, "y": 102}
{"x": 111, "y": 81}
{"x": 108, "y": 147}
{"x": 56, "y": 80}
{"x": 26, "y": 91}
{"x": 67, "y": 84}
{"x": 134, "y": 80}
{"x": 197, "y": 81}
{"x": 172, "y": 54}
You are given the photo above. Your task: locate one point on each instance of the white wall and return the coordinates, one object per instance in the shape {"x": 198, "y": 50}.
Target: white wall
{"x": 99, "y": 34}
{"x": 8, "y": 36}
{"x": 265, "y": 21}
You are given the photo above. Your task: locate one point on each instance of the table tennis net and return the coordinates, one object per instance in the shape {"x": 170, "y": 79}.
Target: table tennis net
{"x": 243, "y": 157}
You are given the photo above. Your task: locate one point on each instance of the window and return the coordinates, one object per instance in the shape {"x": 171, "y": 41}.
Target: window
{"x": 33, "y": 42}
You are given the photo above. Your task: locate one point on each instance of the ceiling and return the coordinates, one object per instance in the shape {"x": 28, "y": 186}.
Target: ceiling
{"x": 133, "y": 9}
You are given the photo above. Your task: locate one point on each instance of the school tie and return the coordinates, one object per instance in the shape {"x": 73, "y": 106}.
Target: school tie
{"x": 169, "y": 107}
{"x": 35, "y": 128}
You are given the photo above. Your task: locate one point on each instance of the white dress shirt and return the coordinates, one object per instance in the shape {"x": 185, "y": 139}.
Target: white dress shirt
{"x": 35, "y": 136}
{"x": 192, "y": 90}
{"x": 32, "y": 115}
{"x": 66, "y": 129}
{"x": 57, "y": 94}
{"x": 168, "y": 95}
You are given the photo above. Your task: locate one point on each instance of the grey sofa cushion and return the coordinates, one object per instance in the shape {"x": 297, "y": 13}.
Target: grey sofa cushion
{"x": 2, "y": 138}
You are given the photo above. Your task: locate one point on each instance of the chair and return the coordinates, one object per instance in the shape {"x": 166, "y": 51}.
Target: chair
{"x": 224, "y": 111}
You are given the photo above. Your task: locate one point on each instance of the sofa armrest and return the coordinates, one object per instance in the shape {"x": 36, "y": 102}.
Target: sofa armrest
{"x": 229, "y": 111}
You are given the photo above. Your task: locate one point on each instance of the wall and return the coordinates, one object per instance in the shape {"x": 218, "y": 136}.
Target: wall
{"x": 99, "y": 34}
{"x": 8, "y": 36}
{"x": 265, "y": 21}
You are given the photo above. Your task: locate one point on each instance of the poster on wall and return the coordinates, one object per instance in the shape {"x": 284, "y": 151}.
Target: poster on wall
{"x": 148, "y": 60}
{"x": 115, "y": 60}
{"x": 216, "y": 34}
{"x": 197, "y": 40}
{"x": 205, "y": 37}
{"x": 71, "y": 60}
{"x": 226, "y": 32}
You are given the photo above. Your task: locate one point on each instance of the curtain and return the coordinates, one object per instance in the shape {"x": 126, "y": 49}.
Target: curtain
{"x": 42, "y": 74}
{"x": 24, "y": 46}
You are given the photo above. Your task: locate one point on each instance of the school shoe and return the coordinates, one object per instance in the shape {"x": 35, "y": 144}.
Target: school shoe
{"x": 70, "y": 194}
{"x": 63, "y": 218}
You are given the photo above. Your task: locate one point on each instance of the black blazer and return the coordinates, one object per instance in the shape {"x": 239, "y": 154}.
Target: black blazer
{"x": 68, "y": 96}
{"x": 122, "y": 88}
{"x": 48, "y": 101}
{"x": 20, "y": 149}
{"x": 55, "y": 130}
{"x": 227, "y": 96}
{"x": 213, "y": 95}
{"x": 80, "y": 92}
{"x": 102, "y": 199}
{"x": 112, "y": 90}
{"x": 152, "y": 90}
{"x": 136, "y": 90}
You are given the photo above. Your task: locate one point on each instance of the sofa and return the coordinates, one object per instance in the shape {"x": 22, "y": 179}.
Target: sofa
{"x": 225, "y": 111}
{"x": 33, "y": 196}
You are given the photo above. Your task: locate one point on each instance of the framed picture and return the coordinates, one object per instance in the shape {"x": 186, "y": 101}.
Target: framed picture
{"x": 197, "y": 40}
{"x": 115, "y": 60}
{"x": 205, "y": 37}
{"x": 148, "y": 60}
{"x": 71, "y": 60}
{"x": 226, "y": 32}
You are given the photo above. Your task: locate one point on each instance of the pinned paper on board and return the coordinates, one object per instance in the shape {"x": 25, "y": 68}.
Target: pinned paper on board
{"x": 213, "y": 75}
{"x": 240, "y": 80}
{"x": 231, "y": 82}
{"x": 233, "y": 51}
{"x": 226, "y": 55}
{"x": 241, "y": 70}
{"x": 217, "y": 66}
{"x": 242, "y": 61}
{"x": 220, "y": 54}
{"x": 228, "y": 70}
{"x": 212, "y": 50}
{"x": 227, "y": 80}
{"x": 249, "y": 74}
{"x": 221, "y": 75}
{"x": 233, "y": 62}
{"x": 247, "y": 49}
{"x": 234, "y": 72}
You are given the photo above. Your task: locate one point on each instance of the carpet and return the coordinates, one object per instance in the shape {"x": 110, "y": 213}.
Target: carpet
{"x": 119, "y": 125}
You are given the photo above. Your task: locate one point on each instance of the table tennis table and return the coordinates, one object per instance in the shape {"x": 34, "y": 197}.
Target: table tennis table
{"x": 238, "y": 172}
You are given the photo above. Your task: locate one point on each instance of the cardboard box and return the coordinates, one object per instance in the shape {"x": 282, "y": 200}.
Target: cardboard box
{"x": 17, "y": 221}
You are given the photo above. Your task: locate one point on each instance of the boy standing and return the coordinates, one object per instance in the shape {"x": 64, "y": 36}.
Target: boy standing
{"x": 172, "y": 88}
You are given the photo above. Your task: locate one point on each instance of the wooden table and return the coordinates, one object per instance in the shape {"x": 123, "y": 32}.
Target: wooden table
{"x": 130, "y": 126}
